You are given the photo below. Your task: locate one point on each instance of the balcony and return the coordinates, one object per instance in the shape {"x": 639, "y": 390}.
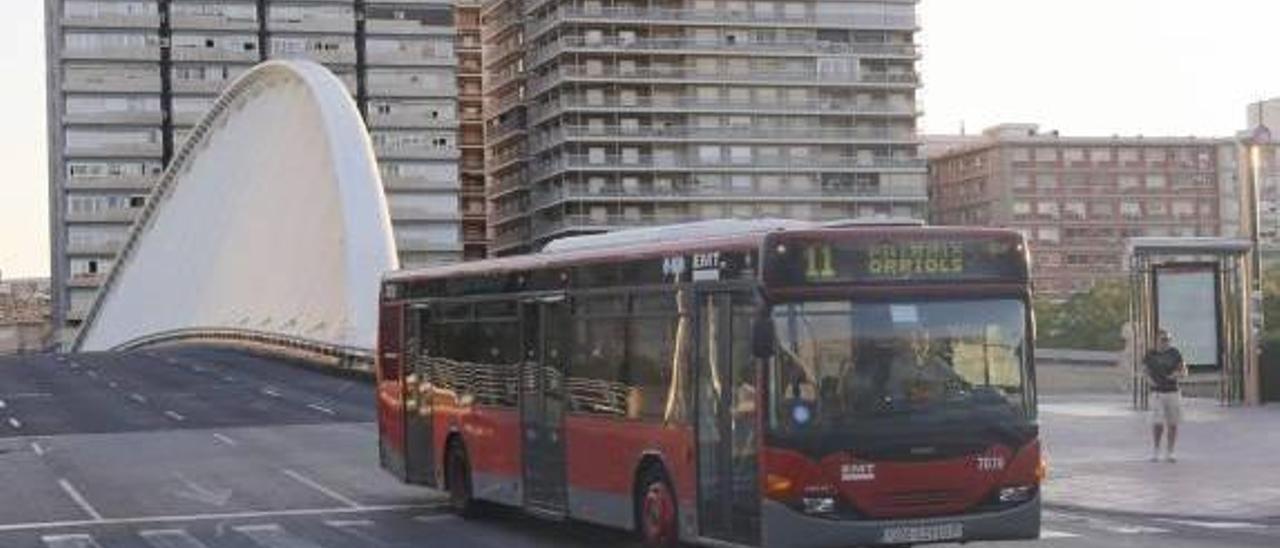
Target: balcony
{"x": 497, "y": 134}
{"x": 103, "y": 216}
{"x": 201, "y": 21}
{"x": 502, "y": 79}
{"x": 680, "y": 75}
{"x": 494, "y": 107}
{"x": 198, "y": 53}
{"x": 134, "y": 117}
{"x": 403, "y": 214}
{"x": 736, "y": 134}
{"x": 84, "y": 281}
{"x": 541, "y": 111}
{"x": 716, "y": 17}
{"x": 118, "y": 53}
{"x": 115, "y": 150}
{"x": 618, "y": 163}
{"x": 104, "y": 80}
{"x": 109, "y": 248}
{"x": 149, "y": 20}
{"x": 686, "y": 194}
{"x": 677, "y": 46}
{"x": 121, "y": 182}
{"x": 497, "y": 25}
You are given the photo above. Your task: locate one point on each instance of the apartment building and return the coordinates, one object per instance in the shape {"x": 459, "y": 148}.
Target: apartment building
{"x": 128, "y": 79}
{"x": 605, "y": 114}
{"x": 1079, "y": 198}
{"x": 475, "y": 207}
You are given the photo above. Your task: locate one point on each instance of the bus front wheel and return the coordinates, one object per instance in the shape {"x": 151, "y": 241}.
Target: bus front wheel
{"x": 656, "y": 513}
{"x": 459, "y": 478}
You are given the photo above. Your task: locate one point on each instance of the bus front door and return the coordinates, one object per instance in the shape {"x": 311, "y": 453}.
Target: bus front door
{"x": 418, "y": 347}
{"x": 542, "y": 403}
{"x": 728, "y": 440}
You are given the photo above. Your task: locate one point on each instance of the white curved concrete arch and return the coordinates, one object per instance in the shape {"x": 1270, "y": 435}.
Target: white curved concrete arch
{"x": 270, "y": 219}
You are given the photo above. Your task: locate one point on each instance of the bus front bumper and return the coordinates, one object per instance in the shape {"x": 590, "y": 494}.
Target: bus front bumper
{"x": 784, "y": 527}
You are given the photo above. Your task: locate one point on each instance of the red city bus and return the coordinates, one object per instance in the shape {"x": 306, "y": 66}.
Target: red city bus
{"x": 809, "y": 385}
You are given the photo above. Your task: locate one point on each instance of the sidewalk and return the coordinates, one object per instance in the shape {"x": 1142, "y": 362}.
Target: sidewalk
{"x": 1228, "y": 459}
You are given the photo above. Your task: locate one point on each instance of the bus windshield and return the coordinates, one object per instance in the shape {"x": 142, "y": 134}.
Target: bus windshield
{"x": 840, "y": 362}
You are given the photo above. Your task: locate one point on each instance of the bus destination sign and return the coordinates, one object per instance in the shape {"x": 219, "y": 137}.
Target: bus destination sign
{"x": 906, "y": 260}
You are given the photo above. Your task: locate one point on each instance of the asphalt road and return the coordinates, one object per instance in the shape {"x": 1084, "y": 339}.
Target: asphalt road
{"x": 207, "y": 448}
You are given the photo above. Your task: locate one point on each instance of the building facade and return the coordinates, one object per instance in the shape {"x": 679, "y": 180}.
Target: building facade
{"x": 610, "y": 114}
{"x": 24, "y": 316}
{"x": 1078, "y": 199}
{"x": 475, "y": 207}
{"x": 128, "y": 79}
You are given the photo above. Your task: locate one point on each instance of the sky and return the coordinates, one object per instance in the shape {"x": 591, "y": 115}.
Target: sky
{"x": 1083, "y": 67}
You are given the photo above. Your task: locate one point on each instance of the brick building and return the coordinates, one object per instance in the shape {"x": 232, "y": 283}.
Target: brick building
{"x": 1079, "y": 198}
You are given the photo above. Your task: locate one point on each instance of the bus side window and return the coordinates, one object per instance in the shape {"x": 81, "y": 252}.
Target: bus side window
{"x": 655, "y": 364}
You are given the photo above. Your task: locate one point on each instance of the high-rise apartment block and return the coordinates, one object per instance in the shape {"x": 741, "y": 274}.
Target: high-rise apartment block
{"x": 610, "y": 114}
{"x": 129, "y": 78}
{"x": 1078, "y": 199}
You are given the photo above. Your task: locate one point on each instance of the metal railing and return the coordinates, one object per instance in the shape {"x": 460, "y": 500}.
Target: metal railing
{"x": 790, "y": 134}
{"x": 616, "y": 162}
{"x": 553, "y": 77}
{"x": 546, "y": 198}
{"x": 357, "y": 360}
{"x": 641, "y": 45}
{"x": 718, "y": 16}
{"x": 541, "y": 111}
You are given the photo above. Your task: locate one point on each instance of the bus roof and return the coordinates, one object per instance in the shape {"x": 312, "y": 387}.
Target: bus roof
{"x": 687, "y": 237}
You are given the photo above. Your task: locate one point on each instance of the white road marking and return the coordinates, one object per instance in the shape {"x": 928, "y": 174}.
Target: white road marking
{"x": 1214, "y": 524}
{"x": 327, "y": 491}
{"x": 218, "y": 517}
{"x": 1049, "y": 534}
{"x": 23, "y": 395}
{"x": 69, "y": 541}
{"x": 270, "y": 392}
{"x": 273, "y": 536}
{"x": 174, "y": 416}
{"x": 170, "y": 538}
{"x": 432, "y": 518}
{"x": 138, "y": 397}
{"x": 93, "y": 373}
{"x": 225, "y": 439}
{"x": 79, "y": 499}
{"x": 340, "y": 523}
{"x": 2, "y": 404}
{"x": 322, "y": 409}
{"x": 15, "y": 423}
{"x": 113, "y": 384}
{"x": 228, "y": 378}
{"x": 39, "y": 451}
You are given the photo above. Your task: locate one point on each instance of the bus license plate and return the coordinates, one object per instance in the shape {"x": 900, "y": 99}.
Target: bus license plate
{"x": 922, "y": 533}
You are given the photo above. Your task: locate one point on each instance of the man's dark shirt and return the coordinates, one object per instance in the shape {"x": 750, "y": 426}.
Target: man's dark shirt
{"x": 1161, "y": 367}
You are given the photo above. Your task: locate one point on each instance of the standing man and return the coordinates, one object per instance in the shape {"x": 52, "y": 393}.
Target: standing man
{"x": 1164, "y": 367}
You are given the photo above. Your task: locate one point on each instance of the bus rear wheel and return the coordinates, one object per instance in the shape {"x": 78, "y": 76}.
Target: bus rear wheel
{"x": 656, "y": 515}
{"x": 458, "y": 471}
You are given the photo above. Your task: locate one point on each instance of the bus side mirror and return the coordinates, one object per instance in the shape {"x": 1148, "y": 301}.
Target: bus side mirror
{"x": 762, "y": 336}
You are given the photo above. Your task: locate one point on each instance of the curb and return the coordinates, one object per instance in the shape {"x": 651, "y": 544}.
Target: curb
{"x": 1158, "y": 515}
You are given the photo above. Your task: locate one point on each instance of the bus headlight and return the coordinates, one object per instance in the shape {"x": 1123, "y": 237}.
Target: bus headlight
{"x": 1020, "y": 493}
{"x": 819, "y": 505}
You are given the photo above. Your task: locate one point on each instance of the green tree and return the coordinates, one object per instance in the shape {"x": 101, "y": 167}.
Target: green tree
{"x": 1088, "y": 320}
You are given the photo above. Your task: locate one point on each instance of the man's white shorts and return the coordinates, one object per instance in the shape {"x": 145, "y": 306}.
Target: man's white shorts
{"x": 1166, "y": 408}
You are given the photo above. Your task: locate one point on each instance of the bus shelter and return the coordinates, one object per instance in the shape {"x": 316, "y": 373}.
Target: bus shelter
{"x": 1198, "y": 289}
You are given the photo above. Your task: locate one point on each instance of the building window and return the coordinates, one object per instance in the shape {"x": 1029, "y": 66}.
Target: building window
{"x": 1048, "y": 234}
{"x": 1156, "y": 181}
{"x": 1130, "y": 210}
{"x": 1047, "y": 209}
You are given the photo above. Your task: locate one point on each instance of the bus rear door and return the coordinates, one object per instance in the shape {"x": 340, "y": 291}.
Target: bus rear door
{"x": 419, "y": 346}
{"x": 390, "y": 389}
{"x": 542, "y": 402}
